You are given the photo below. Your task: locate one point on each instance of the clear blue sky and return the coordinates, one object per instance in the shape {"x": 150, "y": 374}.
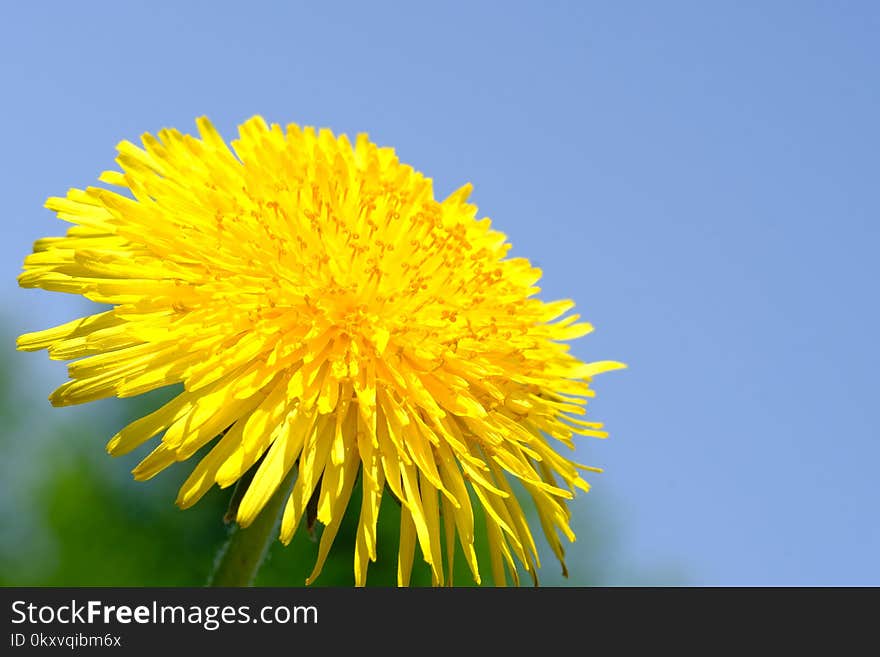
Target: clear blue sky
{"x": 702, "y": 178}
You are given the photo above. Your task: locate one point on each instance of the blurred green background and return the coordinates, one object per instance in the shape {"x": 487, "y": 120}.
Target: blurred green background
{"x": 73, "y": 516}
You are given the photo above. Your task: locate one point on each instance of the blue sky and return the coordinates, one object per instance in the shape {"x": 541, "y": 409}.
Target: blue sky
{"x": 701, "y": 178}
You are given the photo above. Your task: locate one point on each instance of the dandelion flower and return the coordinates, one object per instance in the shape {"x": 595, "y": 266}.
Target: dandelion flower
{"x": 323, "y": 312}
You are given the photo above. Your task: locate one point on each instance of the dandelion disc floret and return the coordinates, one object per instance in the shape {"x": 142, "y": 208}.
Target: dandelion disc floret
{"x": 323, "y": 312}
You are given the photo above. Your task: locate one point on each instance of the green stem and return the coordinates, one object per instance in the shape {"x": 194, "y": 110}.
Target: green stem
{"x": 240, "y": 557}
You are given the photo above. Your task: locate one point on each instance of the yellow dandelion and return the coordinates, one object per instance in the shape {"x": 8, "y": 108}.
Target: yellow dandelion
{"x": 325, "y": 315}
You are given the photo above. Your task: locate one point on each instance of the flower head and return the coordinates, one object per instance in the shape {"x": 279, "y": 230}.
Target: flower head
{"x": 323, "y": 312}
